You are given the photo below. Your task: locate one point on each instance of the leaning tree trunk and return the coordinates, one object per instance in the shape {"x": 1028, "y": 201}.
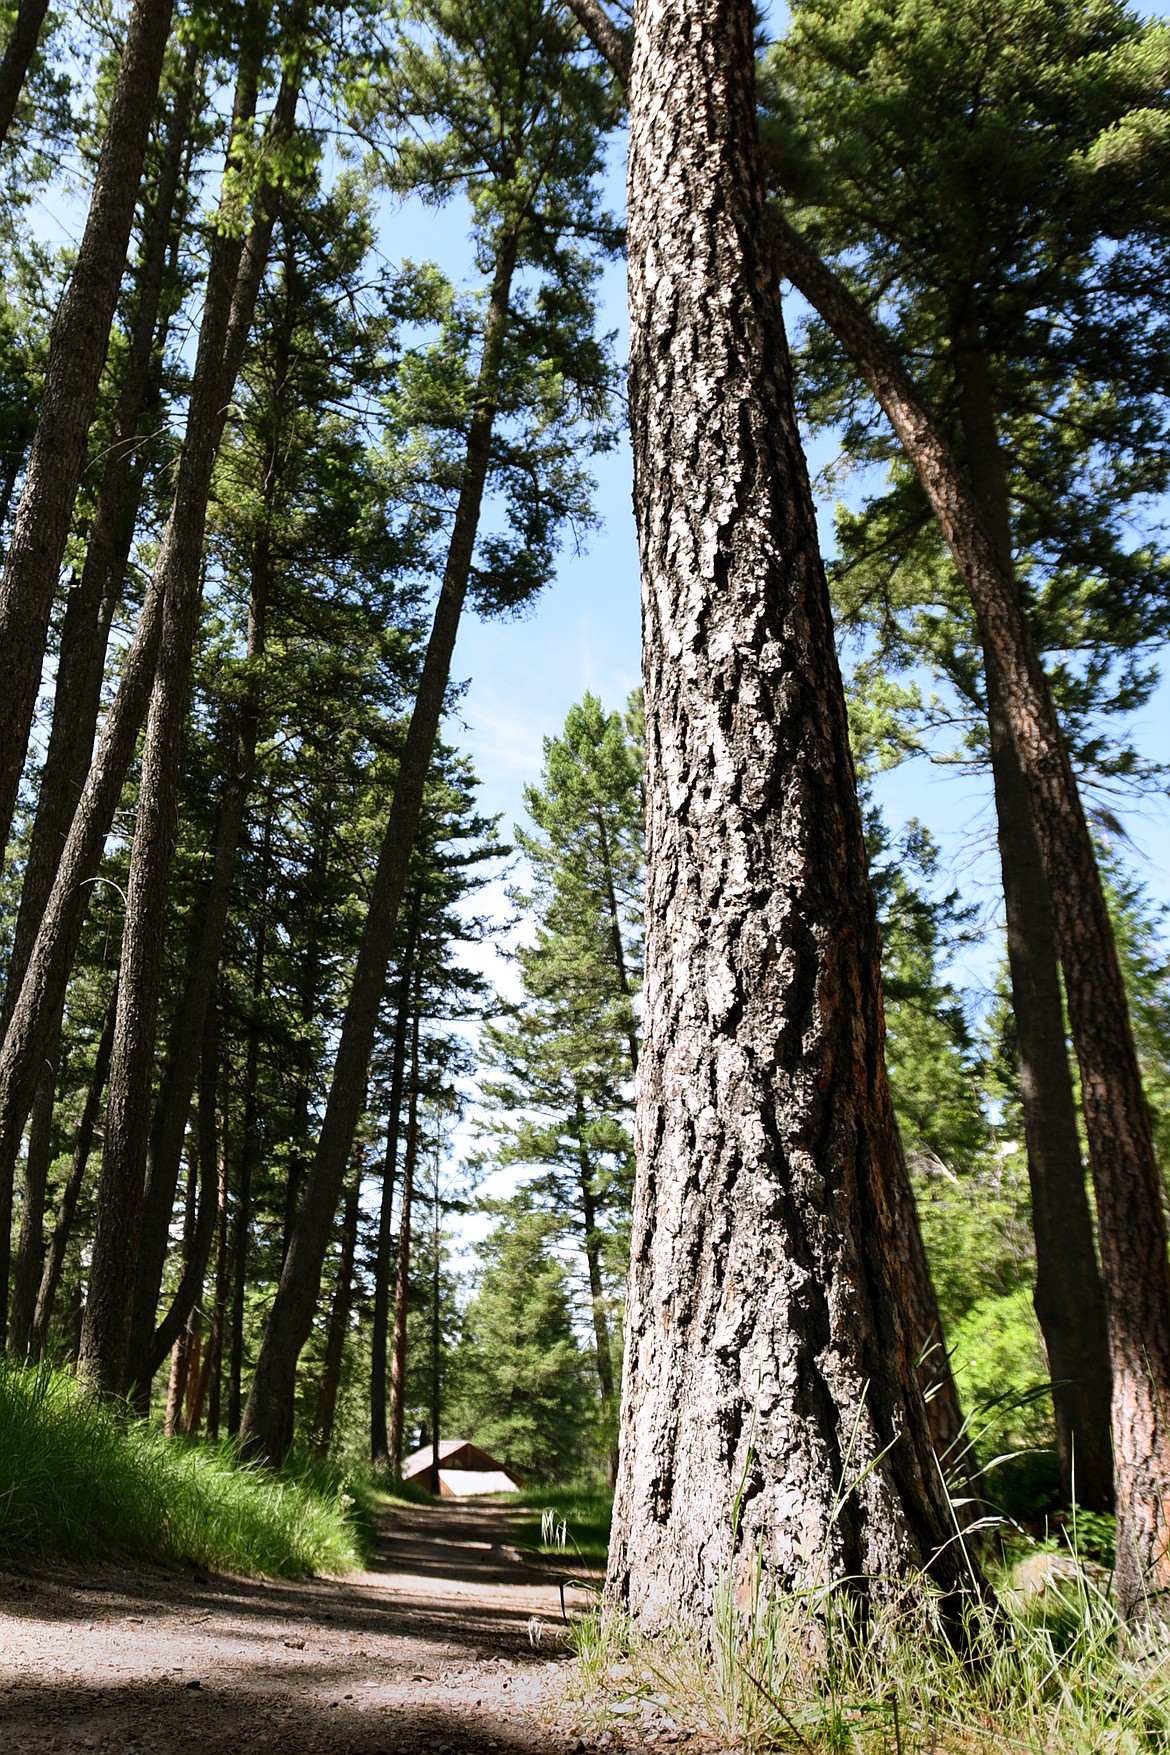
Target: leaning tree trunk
{"x": 94, "y": 597}
{"x": 1069, "y": 1298}
{"x": 771, "y": 1414}
{"x": 266, "y": 1417}
{"x": 1130, "y": 1217}
{"x": 77, "y": 353}
{"x": 234, "y": 276}
{"x": 177, "y": 1085}
{"x": 74, "y": 1177}
{"x": 18, "y": 53}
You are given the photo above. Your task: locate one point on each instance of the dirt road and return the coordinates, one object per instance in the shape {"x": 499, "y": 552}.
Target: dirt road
{"x": 450, "y": 1643}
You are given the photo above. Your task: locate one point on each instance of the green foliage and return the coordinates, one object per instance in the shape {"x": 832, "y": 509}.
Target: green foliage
{"x": 80, "y": 1480}
{"x": 521, "y": 1387}
{"x": 951, "y": 159}
{"x": 560, "y": 1064}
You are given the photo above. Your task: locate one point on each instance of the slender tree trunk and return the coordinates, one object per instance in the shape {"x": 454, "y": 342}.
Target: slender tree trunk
{"x": 1131, "y": 1221}
{"x": 181, "y": 1352}
{"x": 771, "y": 1413}
{"x": 402, "y": 1274}
{"x": 214, "y": 1366}
{"x": 77, "y": 353}
{"x": 436, "y": 1344}
{"x": 55, "y": 1254}
{"x": 94, "y": 597}
{"x": 234, "y": 277}
{"x": 1069, "y": 1299}
{"x": 619, "y": 953}
{"x": 249, "y": 1142}
{"x": 210, "y": 1178}
{"x": 603, "y": 1353}
{"x": 265, "y": 1417}
{"x": 190, "y": 1288}
{"x": 31, "y": 1247}
{"x": 380, "y": 1453}
{"x": 338, "y": 1321}
{"x": 18, "y": 53}
{"x": 173, "y": 1106}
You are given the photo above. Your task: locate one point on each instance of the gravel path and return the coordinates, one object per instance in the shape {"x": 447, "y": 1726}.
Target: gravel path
{"x": 449, "y": 1643}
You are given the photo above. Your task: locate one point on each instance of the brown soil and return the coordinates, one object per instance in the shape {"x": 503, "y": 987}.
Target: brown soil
{"x": 451, "y": 1642}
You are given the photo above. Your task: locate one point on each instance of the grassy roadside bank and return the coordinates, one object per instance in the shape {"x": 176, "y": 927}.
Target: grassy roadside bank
{"x": 78, "y": 1480}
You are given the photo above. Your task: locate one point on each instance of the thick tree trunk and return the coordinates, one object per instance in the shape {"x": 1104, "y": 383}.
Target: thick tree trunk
{"x": 326, "y": 1408}
{"x": 266, "y": 1416}
{"x": 402, "y": 1273}
{"x": 77, "y": 353}
{"x": 380, "y": 1453}
{"x": 18, "y": 53}
{"x": 1131, "y": 1222}
{"x": 58, "y": 1242}
{"x": 234, "y": 276}
{"x": 771, "y": 1413}
{"x": 1069, "y": 1299}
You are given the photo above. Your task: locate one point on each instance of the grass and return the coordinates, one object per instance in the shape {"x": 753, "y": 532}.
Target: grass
{"x": 573, "y": 1522}
{"x": 79, "y": 1480}
{"x": 807, "y": 1673}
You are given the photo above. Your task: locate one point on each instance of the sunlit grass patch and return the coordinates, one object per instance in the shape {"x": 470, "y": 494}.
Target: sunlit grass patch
{"x": 567, "y": 1521}
{"x": 79, "y": 1479}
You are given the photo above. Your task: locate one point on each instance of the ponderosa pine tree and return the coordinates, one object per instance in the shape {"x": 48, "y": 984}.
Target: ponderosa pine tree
{"x": 769, "y": 1398}
{"x": 235, "y": 271}
{"x": 507, "y": 427}
{"x": 1093, "y": 188}
{"x": 77, "y": 352}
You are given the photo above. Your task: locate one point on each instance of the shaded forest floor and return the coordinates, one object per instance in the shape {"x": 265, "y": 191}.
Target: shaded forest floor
{"x": 452, "y": 1642}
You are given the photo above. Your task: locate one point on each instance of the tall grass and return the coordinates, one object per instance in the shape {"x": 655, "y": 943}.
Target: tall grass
{"x": 810, "y": 1673}
{"x": 79, "y": 1480}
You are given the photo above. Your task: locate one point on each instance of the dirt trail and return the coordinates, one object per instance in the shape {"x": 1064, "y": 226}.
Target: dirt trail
{"x": 432, "y": 1649}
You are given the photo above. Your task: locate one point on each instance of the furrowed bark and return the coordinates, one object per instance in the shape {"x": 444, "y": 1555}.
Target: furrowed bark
{"x": 771, "y": 1413}
{"x": 77, "y": 353}
{"x": 234, "y": 278}
{"x": 1131, "y": 1222}
{"x": 18, "y": 53}
{"x": 266, "y": 1417}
